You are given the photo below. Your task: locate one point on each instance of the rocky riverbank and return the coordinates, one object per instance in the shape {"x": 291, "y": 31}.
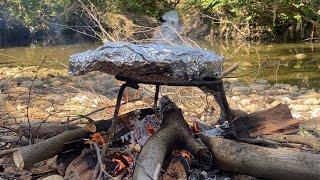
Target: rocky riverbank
{"x": 53, "y": 95}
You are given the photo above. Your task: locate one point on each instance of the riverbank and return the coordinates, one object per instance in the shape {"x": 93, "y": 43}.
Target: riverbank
{"x": 54, "y": 96}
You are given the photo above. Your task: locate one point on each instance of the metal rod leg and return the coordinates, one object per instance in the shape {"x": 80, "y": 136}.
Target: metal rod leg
{"x": 221, "y": 98}
{"x": 156, "y": 95}
{"x": 120, "y": 93}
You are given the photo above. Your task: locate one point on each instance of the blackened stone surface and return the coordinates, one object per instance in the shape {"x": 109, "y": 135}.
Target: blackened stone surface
{"x": 148, "y": 60}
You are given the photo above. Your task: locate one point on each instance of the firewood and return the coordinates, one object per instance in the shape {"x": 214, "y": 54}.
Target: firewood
{"x": 262, "y": 162}
{"x": 173, "y": 133}
{"x": 274, "y": 120}
{"x": 27, "y": 156}
{"x": 43, "y": 130}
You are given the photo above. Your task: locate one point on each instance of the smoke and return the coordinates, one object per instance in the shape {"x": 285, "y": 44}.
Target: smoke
{"x": 170, "y": 29}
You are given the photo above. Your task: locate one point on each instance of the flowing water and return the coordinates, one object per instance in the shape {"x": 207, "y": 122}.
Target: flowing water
{"x": 297, "y": 64}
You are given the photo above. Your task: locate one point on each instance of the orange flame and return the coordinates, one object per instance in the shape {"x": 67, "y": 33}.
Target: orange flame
{"x": 195, "y": 127}
{"x": 96, "y": 137}
{"x": 120, "y": 164}
{"x": 183, "y": 153}
{"x": 119, "y": 167}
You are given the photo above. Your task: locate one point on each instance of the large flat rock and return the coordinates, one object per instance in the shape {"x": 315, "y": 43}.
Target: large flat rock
{"x": 148, "y": 60}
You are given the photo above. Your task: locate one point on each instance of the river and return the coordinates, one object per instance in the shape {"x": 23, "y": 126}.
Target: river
{"x": 297, "y": 64}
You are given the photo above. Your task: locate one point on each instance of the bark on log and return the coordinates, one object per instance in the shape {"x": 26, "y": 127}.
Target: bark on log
{"x": 277, "y": 119}
{"x": 44, "y": 130}
{"x": 173, "y": 133}
{"x": 261, "y": 162}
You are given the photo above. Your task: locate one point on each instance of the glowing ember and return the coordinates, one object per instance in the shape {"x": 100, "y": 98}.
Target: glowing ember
{"x": 97, "y": 137}
{"x": 183, "y": 153}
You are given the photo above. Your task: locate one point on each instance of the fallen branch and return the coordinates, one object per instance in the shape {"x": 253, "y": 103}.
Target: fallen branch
{"x": 262, "y": 162}
{"x": 173, "y": 133}
{"x": 281, "y": 138}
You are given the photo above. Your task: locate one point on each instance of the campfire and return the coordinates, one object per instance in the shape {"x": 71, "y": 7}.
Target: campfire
{"x": 157, "y": 142}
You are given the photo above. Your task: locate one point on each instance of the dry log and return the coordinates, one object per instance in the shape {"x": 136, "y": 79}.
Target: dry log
{"x": 262, "y": 162}
{"x": 282, "y": 138}
{"x": 274, "y": 120}
{"x": 44, "y": 130}
{"x": 27, "y": 156}
{"x": 173, "y": 133}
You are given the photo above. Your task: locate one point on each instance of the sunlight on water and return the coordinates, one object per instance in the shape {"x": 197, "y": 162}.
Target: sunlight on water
{"x": 297, "y": 64}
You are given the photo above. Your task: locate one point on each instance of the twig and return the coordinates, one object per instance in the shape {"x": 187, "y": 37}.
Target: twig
{"x": 9, "y": 128}
{"x": 29, "y": 97}
{"x": 8, "y": 151}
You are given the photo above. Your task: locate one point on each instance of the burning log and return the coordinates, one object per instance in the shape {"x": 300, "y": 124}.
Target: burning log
{"x": 262, "y": 162}
{"x": 173, "y": 133}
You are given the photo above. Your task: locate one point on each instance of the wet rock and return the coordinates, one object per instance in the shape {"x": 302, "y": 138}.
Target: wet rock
{"x": 311, "y": 101}
{"x": 299, "y": 108}
{"x": 35, "y": 84}
{"x": 240, "y": 90}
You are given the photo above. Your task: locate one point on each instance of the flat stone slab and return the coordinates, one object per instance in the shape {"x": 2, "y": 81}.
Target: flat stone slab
{"x": 148, "y": 60}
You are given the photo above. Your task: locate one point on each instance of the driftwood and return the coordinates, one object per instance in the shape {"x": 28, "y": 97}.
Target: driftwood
{"x": 173, "y": 133}
{"x": 262, "y": 162}
{"x": 274, "y": 120}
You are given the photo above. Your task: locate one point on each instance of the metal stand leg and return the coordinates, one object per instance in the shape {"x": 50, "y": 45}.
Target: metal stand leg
{"x": 120, "y": 93}
{"x": 156, "y": 95}
{"x": 221, "y": 98}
